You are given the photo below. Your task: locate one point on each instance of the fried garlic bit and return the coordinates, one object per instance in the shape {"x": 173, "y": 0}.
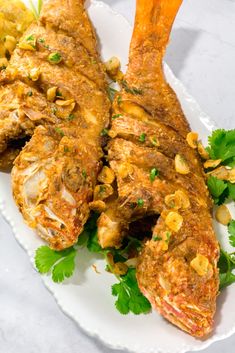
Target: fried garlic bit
{"x": 223, "y": 215}
{"x": 174, "y": 221}
{"x": 192, "y": 139}
{"x": 212, "y": 163}
{"x": 177, "y": 200}
{"x": 202, "y": 151}
{"x": 51, "y": 93}
{"x": 112, "y": 67}
{"x": 201, "y": 265}
{"x": 102, "y": 192}
{"x": 106, "y": 175}
{"x": 181, "y": 165}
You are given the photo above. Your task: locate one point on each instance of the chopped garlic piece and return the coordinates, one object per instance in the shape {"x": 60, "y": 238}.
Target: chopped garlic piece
{"x": 200, "y": 264}
{"x": 174, "y": 221}
{"x": 223, "y": 215}
{"x": 192, "y": 139}
{"x": 212, "y": 163}
{"x": 181, "y": 166}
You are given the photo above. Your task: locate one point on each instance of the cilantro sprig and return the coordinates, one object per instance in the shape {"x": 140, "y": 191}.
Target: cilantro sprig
{"x": 129, "y": 297}
{"x": 61, "y": 265}
{"x": 222, "y": 146}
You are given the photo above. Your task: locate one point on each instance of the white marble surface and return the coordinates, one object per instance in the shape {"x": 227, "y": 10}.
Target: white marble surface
{"x": 202, "y": 55}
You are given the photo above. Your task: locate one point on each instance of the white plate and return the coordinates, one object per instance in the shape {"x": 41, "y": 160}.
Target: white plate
{"x": 87, "y": 296}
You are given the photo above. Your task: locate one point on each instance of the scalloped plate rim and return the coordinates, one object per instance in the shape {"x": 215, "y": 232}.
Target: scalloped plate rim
{"x": 209, "y": 124}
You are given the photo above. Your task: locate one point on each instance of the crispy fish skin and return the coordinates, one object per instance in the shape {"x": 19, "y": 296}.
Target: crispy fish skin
{"x": 54, "y": 176}
{"x": 63, "y": 28}
{"x": 177, "y": 268}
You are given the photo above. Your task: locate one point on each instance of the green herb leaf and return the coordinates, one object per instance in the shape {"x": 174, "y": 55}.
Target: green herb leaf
{"x": 119, "y": 100}
{"x": 132, "y": 90}
{"x": 140, "y": 202}
{"x": 64, "y": 268}
{"x": 216, "y": 187}
{"x": 111, "y": 93}
{"x": 142, "y": 137}
{"x": 226, "y": 265}
{"x": 61, "y": 263}
{"x": 129, "y": 297}
{"x": 116, "y": 116}
{"x": 222, "y": 144}
{"x": 59, "y": 131}
{"x": 104, "y": 132}
{"x": 71, "y": 117}
{"x": 156, "y": 238}
{"x": 231, "y": 230}
{"x": 226, "y": 279}
{"x": 153, "y": 173}
{"x": 231, "y": 190}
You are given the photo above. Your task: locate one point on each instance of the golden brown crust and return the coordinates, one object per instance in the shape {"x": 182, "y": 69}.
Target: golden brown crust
{"x": 158, "y": 173}
{"x": 55, "y": 174}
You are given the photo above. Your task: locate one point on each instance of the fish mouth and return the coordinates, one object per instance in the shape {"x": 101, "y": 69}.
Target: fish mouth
{"x": 188, "y": 317}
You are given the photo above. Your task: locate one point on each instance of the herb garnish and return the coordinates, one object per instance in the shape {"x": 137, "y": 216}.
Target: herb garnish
{"x": 111, "y": 93}
{"x": 132, "y": 90}
{"x": 142, "y": 137}
{"x": 116, "y": 116}
{"x": 140, "y": 202}
{"x": 153, "y": 174}
{"x": 59, "y": 131}
{"x": 104, "y": 132}
{"x": 61, "y": 265}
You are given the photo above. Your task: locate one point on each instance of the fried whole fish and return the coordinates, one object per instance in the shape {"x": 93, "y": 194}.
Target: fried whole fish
{"x": 56, "y": 83}
{"x": 159, "y": 172}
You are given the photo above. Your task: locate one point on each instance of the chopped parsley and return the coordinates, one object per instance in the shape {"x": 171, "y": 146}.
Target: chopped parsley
{"x": 111, "y": 93}
{"x": 84, "y": 174}
{"x": 41, "y": 40}
{"x": 54, "y": 110}
{"x": 153, "y": 174}
{"x": 156, "y": 238}
{"x": 66, "y": 149}
{"x": 142, "y": 137}
{"x": 104, "y": 132}
{"x": 71, "y": 117}
{"x": 30, "y": 38}
{"x": 116, "y": 116}
{"x": 59, "y": 131}
{"x": 140, "y": 202}
{"x": 30, "y": 93}
{"x": 132, "y": 90}
{"x": 119, "y": 100}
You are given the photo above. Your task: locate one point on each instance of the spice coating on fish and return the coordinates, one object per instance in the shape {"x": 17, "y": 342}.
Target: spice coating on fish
{"x": 159, "y": 173}
{"x": 63, "y": 104}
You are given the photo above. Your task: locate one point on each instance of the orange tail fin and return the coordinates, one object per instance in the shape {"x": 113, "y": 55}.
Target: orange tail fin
{"x": 153, "y": 23}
